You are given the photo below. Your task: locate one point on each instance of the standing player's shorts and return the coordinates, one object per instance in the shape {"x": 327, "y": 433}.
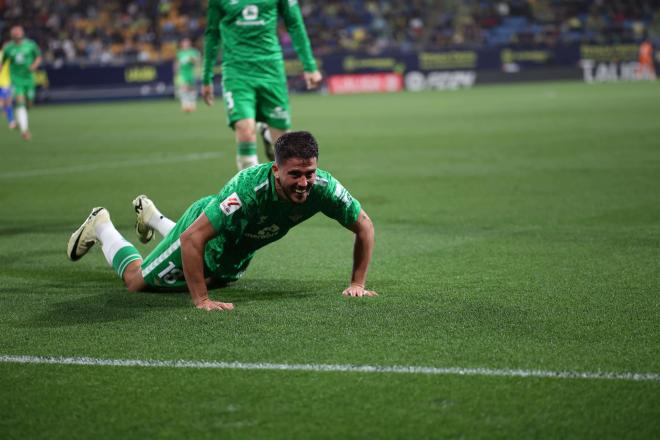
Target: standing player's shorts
{"x": 183, "y": 80}
{"x": 26, "y": 90}
{"x": 5, "y": 93}
{"x": 265, "y": 100}
{"x": 162, "y": 269}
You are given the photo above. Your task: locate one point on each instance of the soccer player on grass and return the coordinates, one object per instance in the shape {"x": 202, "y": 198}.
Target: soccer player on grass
{"x": 186, "y": 68}
{"x": 24, "y": 59}
{"x": 253, "y": 78}
{"x": 5, "y": 92}
{"x": 215, "y": 239}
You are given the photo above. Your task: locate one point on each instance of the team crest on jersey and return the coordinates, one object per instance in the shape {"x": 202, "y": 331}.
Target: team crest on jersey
{"x": 231, "y": 204}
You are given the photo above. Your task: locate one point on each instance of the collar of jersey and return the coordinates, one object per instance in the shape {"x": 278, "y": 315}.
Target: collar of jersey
{"x": 273, "y": 192}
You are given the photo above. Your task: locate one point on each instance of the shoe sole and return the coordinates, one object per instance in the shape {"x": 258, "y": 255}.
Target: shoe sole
{"x": 71, "y": 251}
{"x": 150, "y": 232}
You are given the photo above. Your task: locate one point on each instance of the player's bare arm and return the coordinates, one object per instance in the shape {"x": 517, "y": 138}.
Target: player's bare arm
{"x": 193, "y": 241}
{"x": 362, "y": 250}
{"x": 35, "y": 65}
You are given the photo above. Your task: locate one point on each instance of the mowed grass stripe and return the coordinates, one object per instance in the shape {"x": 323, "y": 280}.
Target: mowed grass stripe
{"x": 334, "y": 368}
{"x": 150, "y": 161}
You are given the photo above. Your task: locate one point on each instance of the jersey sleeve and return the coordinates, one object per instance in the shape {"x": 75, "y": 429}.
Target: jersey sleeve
{"x": 227, "y": 214}
{"x": 337, "y": 202}
{"x": 211, "y": 40}
{"x": 290, "y": 11}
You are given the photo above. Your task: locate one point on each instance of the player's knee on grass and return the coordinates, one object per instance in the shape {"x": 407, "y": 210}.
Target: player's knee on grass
{"x": 133, "y": 277}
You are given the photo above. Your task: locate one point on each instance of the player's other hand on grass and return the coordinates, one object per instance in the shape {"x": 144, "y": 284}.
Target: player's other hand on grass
{"x": 312, "y": 79}
{"x": 358, "y": 290}
{"x": 209, "y": 305}
{"x": 207, "y": 94}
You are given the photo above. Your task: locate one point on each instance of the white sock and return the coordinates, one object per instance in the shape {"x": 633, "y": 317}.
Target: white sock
{"x": 243, "y": 162}
{"x": 160, "y": 223}
{"x": 111, "y": 240}
{"x": 267, "y": 135}
{"x": 22, "y": 118}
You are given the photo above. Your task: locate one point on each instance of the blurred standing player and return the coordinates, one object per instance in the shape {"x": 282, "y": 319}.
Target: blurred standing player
{"x": 24, "y": 58}
{"x": 5, "y": 92}
{"x": 646, "y": 66}
{"x": 253, "y": 77}
{"x": 186, "y": 68}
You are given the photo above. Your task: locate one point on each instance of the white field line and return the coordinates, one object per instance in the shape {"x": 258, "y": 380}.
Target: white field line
{"x": 109, "y": 165}
{"x": 336, "y": 368}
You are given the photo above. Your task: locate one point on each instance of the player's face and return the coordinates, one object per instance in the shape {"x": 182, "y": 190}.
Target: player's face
{"x": 17, "y": 33}
{"x": 185, "y": 43}
{"x": 294, "y": 178}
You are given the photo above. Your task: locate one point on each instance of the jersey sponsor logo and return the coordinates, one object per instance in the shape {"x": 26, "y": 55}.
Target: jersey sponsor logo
{"x": 231, "y": 204}
{"x": 342, "y": 194}
{"x": 264, "y": 233}
{"x": 250, "y": 14}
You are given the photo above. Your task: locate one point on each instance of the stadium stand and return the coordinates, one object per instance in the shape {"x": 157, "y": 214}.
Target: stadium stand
{"x": 107, "y": 32}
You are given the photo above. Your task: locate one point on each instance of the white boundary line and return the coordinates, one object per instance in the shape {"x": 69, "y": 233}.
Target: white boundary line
{"x": 337, "y": 368}
{"x": 108, "y": 165}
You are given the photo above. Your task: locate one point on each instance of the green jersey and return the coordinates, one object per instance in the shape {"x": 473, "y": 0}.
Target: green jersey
{"x": 248, "y": 214}
{"x": 250, "y": 44}
{"x": 21, "y": 56}
{"x": 187, "y": 61}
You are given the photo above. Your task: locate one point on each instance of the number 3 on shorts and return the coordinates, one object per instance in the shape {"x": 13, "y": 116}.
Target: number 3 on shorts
{"x": 229, "y": 100}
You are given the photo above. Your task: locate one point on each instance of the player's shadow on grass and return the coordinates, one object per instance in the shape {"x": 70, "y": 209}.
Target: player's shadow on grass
{"x": 106, "y": 307}
{"x": 119, "y": 305}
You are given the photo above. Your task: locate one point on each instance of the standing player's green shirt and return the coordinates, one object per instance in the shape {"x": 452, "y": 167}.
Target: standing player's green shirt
{"x": 187, "y": 61}
{"x": 247, "y": 214}
{"x": 21, "y": 56}
{"x": 250, "y": 44}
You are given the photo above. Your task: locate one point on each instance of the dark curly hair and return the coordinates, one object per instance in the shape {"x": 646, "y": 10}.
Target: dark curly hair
{"x": 299, "y": 144}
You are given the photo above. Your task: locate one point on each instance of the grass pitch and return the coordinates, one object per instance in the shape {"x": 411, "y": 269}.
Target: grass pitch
{"x": 518, "y": 227}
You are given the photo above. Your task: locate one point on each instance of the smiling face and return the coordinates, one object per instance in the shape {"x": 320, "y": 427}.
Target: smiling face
{"x": 294, "y": 178}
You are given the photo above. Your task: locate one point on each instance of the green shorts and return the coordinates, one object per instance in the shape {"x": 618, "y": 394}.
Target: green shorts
{"x": 27, "y": 91}
{"x": 162, "y": 269}
{"x": 183, "y": 80}
{"x": 260, "y": 99}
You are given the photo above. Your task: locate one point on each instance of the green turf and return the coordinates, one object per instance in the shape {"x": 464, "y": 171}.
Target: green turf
{"x": 517, "y": 227}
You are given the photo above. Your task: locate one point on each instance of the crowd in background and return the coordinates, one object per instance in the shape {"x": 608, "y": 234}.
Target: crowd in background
{"x": 111, "y": 31}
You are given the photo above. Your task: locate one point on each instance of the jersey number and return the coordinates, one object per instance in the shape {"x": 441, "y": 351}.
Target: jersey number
{"x": 229, "y": 99}
{"x": 171, "y": 274}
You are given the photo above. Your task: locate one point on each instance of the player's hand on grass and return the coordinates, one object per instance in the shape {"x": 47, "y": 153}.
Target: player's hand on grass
{"x": 312, "y": 79}
{"x": 358, "y": 290}
{"x": 207, "y": 94}
{"x": 209, "y": 305}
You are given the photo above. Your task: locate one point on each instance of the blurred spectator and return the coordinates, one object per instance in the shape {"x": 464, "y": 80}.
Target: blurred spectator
{"x": 118, "y": 31}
